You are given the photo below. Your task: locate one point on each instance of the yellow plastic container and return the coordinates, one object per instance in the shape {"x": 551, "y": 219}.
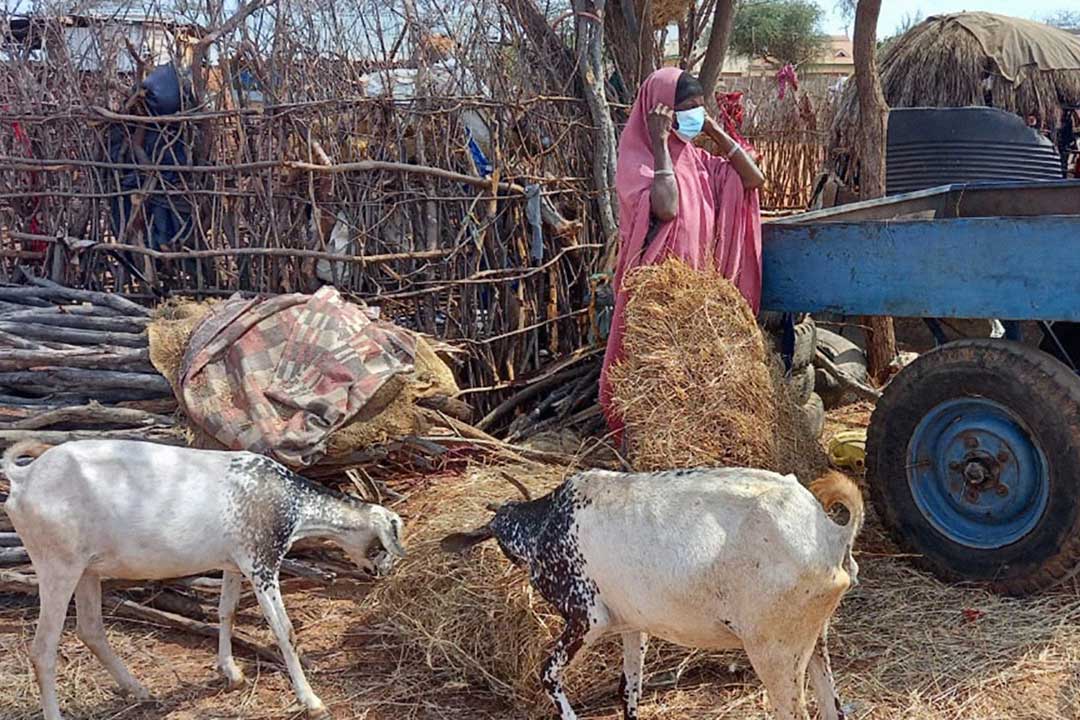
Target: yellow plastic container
{"x": 847, "y": 450}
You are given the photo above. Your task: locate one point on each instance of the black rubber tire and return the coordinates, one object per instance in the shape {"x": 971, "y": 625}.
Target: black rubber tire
{"x": 814, "y": 413}
{"x": 1045, "y": 395}
{"x": 843, "y": 353}
{"x": 831, "y": 391}
{"x": 801, "y": 384}
{"x": 847, "y": 356}
{"x": 805, "y": 345}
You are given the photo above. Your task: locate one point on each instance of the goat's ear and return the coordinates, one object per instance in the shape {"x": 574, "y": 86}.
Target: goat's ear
{"x": 390, "y": 538}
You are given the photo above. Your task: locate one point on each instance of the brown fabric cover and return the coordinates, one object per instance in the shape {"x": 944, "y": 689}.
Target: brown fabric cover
{"x": 278, "y": 375}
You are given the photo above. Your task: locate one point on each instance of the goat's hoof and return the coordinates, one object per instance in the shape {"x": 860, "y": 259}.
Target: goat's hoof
{"x": 235, "y": 682}
{"x": 318, "y": 713}
{"x": 234, "y": 677}
{"x": 140, "y": 694}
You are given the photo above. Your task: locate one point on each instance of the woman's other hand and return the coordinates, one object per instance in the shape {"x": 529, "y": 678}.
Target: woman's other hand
{"x": 712, "y": 128}
{"x": 660, "y": 120}
{"x": 744, "y": 165}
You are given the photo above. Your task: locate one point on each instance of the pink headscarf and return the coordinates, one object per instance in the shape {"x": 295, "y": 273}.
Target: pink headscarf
{"x": 718, "y": 220}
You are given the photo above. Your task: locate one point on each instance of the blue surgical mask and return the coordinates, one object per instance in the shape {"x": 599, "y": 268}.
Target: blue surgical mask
{"x": 690, "y": 122}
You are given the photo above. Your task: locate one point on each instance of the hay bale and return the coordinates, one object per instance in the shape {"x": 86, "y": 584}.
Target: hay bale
{"x": 169, "y": 331}
{"x": 474, "y": 620}
{"x": 696, "y": 386}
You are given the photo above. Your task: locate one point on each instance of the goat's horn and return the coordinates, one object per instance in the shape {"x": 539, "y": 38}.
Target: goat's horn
{"x": 516, "y": 483}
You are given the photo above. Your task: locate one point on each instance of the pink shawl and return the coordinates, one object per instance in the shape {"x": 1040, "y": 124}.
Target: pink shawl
{"x": 718, "y": 221}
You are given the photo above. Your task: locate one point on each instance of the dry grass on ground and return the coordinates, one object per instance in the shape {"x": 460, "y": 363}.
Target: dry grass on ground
{"x": 904, "y": 647}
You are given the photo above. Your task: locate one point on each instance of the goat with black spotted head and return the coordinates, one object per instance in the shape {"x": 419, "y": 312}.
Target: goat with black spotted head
{"x": 116, "y": 509}
{"x": 714, "y": 559}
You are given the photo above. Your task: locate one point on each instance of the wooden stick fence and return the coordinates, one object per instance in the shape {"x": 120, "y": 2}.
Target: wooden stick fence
{"x": 318, "y": 181}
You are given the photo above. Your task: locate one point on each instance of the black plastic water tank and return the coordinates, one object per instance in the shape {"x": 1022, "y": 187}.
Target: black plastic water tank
{"x": 928, "y": 147}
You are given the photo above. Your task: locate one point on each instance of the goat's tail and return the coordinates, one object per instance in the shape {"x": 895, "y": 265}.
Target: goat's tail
{"x": 18, "y": 457}
{"x": 460, "y": 542}
{"x": 834, "y": 488}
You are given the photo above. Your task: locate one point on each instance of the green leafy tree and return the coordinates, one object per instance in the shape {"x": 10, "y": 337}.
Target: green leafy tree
{"x": 783, "y": 31}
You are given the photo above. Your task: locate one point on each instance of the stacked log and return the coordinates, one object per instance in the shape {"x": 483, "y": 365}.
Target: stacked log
{"x": 76, "y": 364}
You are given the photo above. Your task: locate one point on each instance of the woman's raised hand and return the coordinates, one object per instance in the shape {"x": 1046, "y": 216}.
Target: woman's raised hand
{"x": 660, "y": 120}
{"x": 712, "y": 127}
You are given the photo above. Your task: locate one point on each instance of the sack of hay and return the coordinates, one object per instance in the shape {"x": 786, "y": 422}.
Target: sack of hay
{"x": 697, "y": 387}
{"x": 474, "y": 620}
{"x": 391, "y": 413}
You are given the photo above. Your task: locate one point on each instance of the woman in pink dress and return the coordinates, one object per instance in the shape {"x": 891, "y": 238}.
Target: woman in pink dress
{"x": 677, "y": 200}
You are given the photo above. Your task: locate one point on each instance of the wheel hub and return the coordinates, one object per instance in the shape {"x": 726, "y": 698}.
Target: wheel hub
{"x": 981, "y": 471}
{"x": 976, "y": 474}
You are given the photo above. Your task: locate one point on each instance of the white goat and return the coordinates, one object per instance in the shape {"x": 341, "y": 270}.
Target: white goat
{"x": 97, "y": 509}
{"x": 713, "y": 559}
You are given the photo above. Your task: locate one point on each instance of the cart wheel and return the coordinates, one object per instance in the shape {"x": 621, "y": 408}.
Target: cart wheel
{"x": 971, "y": 457}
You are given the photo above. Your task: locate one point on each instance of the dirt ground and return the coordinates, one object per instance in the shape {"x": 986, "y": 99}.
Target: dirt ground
{"x": 903, "y": 646}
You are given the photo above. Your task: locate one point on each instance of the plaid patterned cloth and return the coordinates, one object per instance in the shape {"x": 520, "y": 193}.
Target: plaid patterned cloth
{"x": 278, "y": 376}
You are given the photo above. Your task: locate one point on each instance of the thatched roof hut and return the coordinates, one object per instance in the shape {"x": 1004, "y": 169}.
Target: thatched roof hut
{"x": 966, "y": 59}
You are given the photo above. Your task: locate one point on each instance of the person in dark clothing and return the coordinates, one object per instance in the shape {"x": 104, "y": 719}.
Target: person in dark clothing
{"x": 1066, "y": 137}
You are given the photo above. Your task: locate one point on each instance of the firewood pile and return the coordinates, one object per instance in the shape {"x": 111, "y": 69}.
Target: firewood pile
{"x": 561, "y": 396}
{"x": 75, "y": 364}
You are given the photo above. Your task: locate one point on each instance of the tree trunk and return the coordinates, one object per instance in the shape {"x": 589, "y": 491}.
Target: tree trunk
{"x": 589, "y": 42}
{"x": 137, "y": 360}
{"x": 873, "y": 116}
{"x": 719, "y": 36}
{"x": 61, "y": 378}
{"x": 631, "y": 42}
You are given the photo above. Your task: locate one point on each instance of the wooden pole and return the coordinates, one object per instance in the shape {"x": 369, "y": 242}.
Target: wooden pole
{"x": 873, "y": 116}
{"x": 589, "y": 40}
{"x": 719, "y": 37}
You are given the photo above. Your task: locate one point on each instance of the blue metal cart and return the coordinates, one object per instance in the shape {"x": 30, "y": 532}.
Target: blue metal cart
{"x": 973, "y": 452}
